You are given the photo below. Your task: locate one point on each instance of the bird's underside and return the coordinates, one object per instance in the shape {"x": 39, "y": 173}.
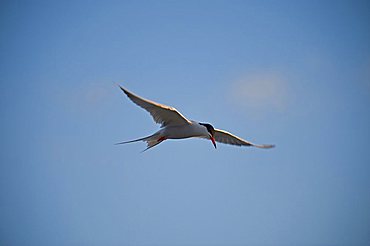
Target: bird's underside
{"x": 175, "y": 126}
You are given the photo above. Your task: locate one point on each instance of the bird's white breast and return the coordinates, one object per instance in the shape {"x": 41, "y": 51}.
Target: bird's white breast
{"x": 185, "y": 131}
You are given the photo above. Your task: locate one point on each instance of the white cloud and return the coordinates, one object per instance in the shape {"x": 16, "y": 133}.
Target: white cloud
{"x": 261, "y": 92}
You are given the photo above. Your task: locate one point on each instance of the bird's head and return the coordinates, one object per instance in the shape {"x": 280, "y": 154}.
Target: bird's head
{"x": 211, "y": 132}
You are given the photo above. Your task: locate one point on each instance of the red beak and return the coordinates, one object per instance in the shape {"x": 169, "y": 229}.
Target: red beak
{"x": 213, "y": 141}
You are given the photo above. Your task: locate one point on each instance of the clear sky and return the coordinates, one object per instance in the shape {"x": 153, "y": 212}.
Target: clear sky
{"x": 291, "y": 73}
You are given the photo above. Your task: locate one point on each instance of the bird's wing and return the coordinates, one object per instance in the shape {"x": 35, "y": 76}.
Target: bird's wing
{"x": 228, "y": 138}
{"x": 162, "y": 114}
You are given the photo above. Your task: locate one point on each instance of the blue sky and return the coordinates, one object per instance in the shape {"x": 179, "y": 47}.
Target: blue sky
{"x": 292, "y": 73}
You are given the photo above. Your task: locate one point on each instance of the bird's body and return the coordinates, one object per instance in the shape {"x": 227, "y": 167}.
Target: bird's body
{"x": 175, "y": 126}
{"x": 194, "y": 129}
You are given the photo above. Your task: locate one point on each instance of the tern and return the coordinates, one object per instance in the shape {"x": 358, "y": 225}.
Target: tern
{"x": 175, "y": 126}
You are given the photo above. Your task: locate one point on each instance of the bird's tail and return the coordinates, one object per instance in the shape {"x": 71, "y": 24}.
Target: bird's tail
{"x": 151, "y": 141}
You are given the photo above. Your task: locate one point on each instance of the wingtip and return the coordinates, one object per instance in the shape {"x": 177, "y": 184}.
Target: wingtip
{"x": 119, "y": 143}
{"x": 268, "y": 146}
{"x": 123, "y": 89}
{"x": 263, "y": 146}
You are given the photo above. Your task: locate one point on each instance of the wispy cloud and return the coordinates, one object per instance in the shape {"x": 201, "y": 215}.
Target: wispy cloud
{"x": 261, "y": 92}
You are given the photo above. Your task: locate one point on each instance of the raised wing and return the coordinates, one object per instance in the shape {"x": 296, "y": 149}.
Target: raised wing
{"x": 162, "y": 114}
{"x": 228, "y": 138}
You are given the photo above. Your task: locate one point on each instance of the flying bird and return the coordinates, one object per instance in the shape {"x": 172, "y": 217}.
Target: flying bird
{"x": 176, "y": 126}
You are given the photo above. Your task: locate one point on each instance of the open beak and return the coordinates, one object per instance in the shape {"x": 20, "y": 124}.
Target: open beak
{"x": 213, "y": 141}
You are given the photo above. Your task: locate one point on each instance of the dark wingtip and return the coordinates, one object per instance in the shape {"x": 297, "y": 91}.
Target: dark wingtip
{"x": 123, "y": 89}
{"x": 119, "y": 143}
{"x": 268, "y": 146}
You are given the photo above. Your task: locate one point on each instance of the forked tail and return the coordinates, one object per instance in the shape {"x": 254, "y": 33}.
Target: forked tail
{"x": 151, "y": 141}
